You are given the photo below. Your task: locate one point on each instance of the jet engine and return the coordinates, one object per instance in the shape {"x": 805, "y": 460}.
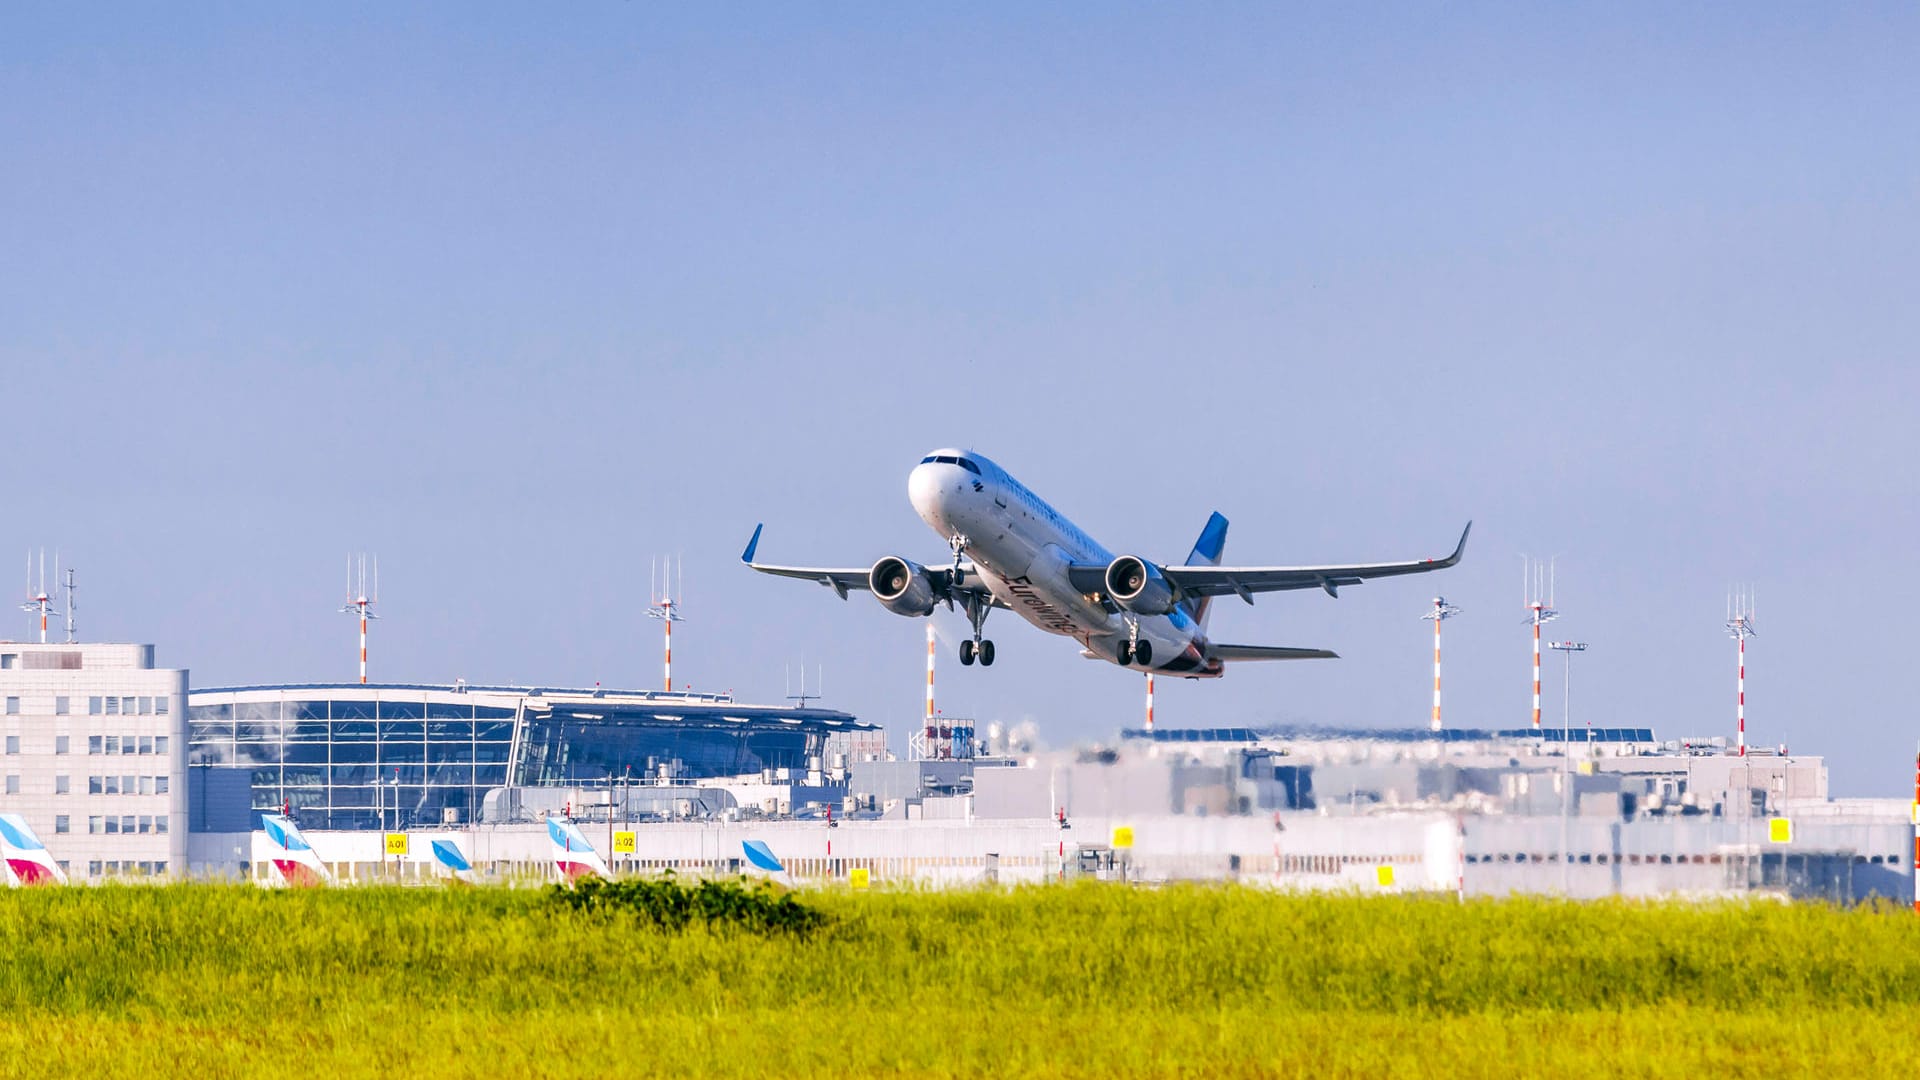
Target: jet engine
{"x": 1137, "y": 585}
{"x": 902, "y": 587}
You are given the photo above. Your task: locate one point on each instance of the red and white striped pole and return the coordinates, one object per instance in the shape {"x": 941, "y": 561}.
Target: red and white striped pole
{"x": 1149, "y": 701}
{"x": 932, "y": 732}
{"x": 1537, "y": 609}
{"x": 1741, "y": 709}
{"x": 666, "y": 605}
{"x": 1441, "y": 612}
{"x": 361, "y": 603}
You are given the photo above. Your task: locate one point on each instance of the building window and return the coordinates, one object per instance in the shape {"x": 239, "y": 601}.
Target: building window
{"x": 13, "y": 744}
{"x": 93, "y": 744}
{"x": 146, "y": 823}
{"x": 110, "y": 785}
{"x": 129, "y": 785}
{"x": 112, "y": 744}
{"x": 93, "y": 709}
{"x": 146, "y": 706}
{"x": 146, "y": 785}
{"x": 146, "y": 744}
{"x": 113, "y": 706}
{"x": 159, "y": 785}
{"x": 62, "y": 743}
{"x": 93, "y": 867}
{"x": 93, "y": 786}
{"x": 160, "y": 706}
{"x": 60, "y": 784}
{"x": 13, "y": 783}
{"x": 159, "y": 823}
{"x": 128, "y": 744}
{"x": 13, "y": 706}
{"x": 61, "y": 822}
{"x": 96, "y": 824}
{"x": 7, "y": 660}
{"x": 129, "y": 705}
{"x": 126, "y": 823}
{"x": 62, "y": 706}
{"x": 159, "y": 744}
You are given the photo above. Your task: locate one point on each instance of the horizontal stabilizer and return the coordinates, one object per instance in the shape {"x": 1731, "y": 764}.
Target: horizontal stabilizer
{"x": 1268, "y": 652}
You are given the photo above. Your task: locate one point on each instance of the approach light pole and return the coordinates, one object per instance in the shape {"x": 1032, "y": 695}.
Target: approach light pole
{"x": 1566, "y": 650}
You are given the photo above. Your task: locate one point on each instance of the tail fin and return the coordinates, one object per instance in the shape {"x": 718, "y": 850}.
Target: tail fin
{"x": 27, "y": 861}
{"x": 1206, "y": 552}
{"x": 291, "y": 856}
{"x": 573, "y": 856}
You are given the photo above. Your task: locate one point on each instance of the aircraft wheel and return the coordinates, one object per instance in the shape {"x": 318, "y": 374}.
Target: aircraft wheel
{"x": 1143, "y": 653}
{"x": 1124, "y": 654}
{"x": 966, "y": 654}
{"x": 986, "y": 653}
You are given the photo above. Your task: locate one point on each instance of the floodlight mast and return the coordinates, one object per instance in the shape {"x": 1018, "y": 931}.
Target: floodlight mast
{"x": 1536, "y": 580}
{"x": 1442, "y": 611}
{"x": 363, "y": 591}
{"x": 38, "y": 600}
{"x": 1740, "y": 608}
{"x": 662, "y": 608}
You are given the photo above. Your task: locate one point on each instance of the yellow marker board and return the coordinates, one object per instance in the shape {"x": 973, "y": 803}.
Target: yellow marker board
{"x": 1122, "y": 837}
{"x": 858, "y": 877}
{"x": 1385, "y": 874}
{"x": 1780, "y": 830}
{"x": 396, "y": 843}
{"x": 625, "y": 843}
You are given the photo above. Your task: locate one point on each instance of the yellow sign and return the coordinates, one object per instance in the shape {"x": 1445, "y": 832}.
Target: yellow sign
{"x": 1916, "y": 813}
{"x": 1586, "y": 768}
{"x": 1385, "y": 874}
{"x": 858, "y": 877}
{"x": 1780, "y": 830}
{"x": 1122, "y": 837}
{"x": 396, "y": 843}
{"x": 625, "y": 843}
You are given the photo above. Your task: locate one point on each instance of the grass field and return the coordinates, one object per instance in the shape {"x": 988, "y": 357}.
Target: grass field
{"x": 212, "y": 981}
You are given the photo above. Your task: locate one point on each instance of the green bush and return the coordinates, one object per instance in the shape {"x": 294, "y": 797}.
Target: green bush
{"x": 669, "y": 904}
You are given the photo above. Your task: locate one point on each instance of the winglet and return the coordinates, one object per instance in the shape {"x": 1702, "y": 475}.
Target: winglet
{"x": 747, "y": 555}
{"x": 1458, "y": 549}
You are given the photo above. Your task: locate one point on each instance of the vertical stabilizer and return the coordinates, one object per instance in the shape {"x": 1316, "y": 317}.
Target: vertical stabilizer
{"x": 292, "y": 858}
{"x": 26, "y": 857}
{"x": 573, "y": 856}
{"x": 1206, "y": 552}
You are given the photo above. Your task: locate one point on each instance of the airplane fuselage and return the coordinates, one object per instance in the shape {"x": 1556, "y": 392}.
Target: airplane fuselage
{"x": 1021, "y": 547}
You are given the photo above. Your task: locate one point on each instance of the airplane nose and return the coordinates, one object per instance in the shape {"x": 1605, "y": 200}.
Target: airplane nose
{"x": 923, "y": 490}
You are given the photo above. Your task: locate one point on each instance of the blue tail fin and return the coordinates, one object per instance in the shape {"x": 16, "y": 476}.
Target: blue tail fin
{"x": 1206, "y": 552}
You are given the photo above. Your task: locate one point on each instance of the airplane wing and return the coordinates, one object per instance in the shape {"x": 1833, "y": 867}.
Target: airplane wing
{"x": 1247, "y": 580}
{"x": 1268, "y": 652}
{"x": 843, "y": 579}
{"x": 1244, "y": 581}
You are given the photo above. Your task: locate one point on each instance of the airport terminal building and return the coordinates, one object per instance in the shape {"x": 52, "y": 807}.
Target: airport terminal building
{"x": 354, "y": 756}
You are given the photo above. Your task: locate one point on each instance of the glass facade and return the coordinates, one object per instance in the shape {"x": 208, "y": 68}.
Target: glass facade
{"x": 351, "y": 760}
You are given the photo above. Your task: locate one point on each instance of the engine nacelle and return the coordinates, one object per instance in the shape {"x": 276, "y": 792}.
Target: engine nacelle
{"x": 1137, "y": 585}
{"x": 902, "y": 587}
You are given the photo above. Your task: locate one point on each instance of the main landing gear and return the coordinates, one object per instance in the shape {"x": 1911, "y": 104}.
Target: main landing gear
{"x": 1133, "y": 650}
{"x": 976, "y": 648}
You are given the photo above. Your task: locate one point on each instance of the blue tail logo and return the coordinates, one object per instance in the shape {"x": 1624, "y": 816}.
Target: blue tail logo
{"x": 1206, "y": 552}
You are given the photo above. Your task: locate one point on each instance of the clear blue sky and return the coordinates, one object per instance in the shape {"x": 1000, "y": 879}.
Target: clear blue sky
{"x": 520, "y": 298}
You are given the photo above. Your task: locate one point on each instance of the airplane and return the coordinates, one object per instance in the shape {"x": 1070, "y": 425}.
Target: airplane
{"x": 1013, "y": 551}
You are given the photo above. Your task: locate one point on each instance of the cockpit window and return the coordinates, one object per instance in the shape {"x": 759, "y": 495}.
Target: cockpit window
{"x": 949, "y": 459}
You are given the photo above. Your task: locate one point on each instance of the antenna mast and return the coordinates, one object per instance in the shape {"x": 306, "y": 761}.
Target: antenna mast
{"x": 1442, "y": 611}
{"x": 71, "y": 605}
{"x": 662, "y": 608}
{"x": 37, "y": 598}
{"x": 362, "y": 593}
{"x": 1534, "y": 575}
{"x": 1740, "y": 605}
